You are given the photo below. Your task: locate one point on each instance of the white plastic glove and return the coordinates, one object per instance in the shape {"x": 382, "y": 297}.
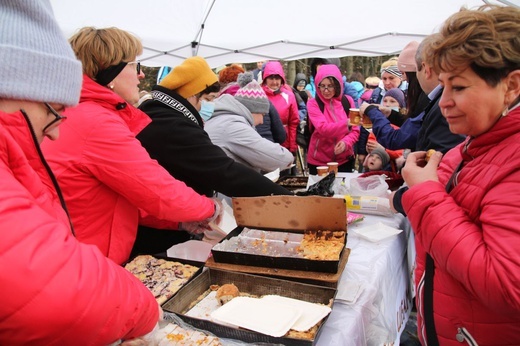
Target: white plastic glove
{"x": 198, "y": 227}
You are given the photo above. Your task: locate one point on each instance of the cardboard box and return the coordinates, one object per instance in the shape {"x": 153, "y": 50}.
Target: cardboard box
{"x": 251, "y": 284}
{"x": 288, "y": 214}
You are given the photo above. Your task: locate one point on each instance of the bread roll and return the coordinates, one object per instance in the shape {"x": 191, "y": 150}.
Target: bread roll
{"x": 227, "y": 292}
{"x": 429, "y": 154}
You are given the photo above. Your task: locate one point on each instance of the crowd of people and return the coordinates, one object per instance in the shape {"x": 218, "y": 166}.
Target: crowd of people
{"x": 94, "y": 173}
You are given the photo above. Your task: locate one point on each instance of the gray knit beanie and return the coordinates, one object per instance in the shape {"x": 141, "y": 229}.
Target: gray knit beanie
{"x": 251, "y": 94}
{"x": 385, "y": 158}
{"x": 38, "y": 63}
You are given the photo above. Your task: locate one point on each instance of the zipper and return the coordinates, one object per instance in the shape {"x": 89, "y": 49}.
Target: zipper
{"x": 464, "y": 335}
{"x": 420, "y": 311}
{"x": 49, "y": 171}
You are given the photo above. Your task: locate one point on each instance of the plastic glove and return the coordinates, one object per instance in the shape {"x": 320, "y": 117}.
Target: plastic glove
{"x": 198, "y": 227}
{"x": 217, "y": 215}
{"x": 194, "y": 227}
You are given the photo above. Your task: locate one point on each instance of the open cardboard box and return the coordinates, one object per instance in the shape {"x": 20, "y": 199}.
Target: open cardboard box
{"x": 249, "y": 284}
{"x": 288, "y": 214}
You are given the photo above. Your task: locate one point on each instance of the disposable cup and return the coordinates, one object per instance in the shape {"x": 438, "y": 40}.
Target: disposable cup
{"x": 333, "y": 167}
{"x": 322, "y": 170}
{"x": 354, "y": 116}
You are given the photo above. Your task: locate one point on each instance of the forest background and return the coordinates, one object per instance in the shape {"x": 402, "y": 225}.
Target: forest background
{"x": 368, "y": 66}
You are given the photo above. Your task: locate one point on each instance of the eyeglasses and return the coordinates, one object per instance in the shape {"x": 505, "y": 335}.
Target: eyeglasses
{"x": 138, "y": 66}
{"x": 58, "y": 116}
{"x": 326, "y": 87}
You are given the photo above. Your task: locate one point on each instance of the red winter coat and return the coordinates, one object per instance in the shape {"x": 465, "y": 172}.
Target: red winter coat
{"x": 285, "y": 103}
{"x": 107, "y": 176}
{"x": 330, "y": 126}
{"x": 473, "y": 235}
{"x": 55, "y": 290}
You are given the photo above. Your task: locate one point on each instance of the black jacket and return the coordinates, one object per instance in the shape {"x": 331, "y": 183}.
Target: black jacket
{"x": 272, "y": 127}
{"x": 177, "y": 140}
{"x": 435, "y": 132}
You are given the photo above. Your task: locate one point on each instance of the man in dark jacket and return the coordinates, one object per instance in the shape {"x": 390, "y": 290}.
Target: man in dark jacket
{"x": 177, "y": 140}
{"x": 434, "y": 132}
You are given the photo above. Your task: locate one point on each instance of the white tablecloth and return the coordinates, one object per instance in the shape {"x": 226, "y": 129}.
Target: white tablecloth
{"x": 383, "y": 269}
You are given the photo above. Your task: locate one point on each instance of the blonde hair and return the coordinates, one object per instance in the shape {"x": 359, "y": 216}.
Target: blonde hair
{"x": 98, "y": 49}
{"x": 390, "y": 62}
{"x": 487, "y": 40}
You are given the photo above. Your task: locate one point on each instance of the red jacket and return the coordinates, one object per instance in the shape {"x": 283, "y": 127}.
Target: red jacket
{"x": 285, "y": 103}
{"x": 331, "y": 125}
{"x": 55, "y": 290}
{"x": 107, "y": 176}
{"x": 473, "y": 235}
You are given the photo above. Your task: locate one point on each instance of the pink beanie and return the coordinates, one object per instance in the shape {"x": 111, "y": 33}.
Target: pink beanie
{"x": 406, "y": 61}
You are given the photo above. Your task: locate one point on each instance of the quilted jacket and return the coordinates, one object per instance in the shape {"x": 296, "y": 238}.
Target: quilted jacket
{"x": 107, "y": 176}
{"x": 473, "y": 235}
{"x": 285, "y": 102}
{"x": 55, "y": 290}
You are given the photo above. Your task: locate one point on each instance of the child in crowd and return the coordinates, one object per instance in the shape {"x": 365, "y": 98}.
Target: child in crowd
{"x": 377, "y": 160}
{"x": 395, "y": 99}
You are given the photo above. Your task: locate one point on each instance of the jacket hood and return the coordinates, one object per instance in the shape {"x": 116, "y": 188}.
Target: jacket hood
{"x": 274, "y": 68}
{"x": 300, "y": 77}
{"x": 228, "y": 105}
{"x": 328, "y": 71}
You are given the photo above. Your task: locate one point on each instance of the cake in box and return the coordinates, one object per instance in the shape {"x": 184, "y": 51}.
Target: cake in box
{"x": 287, "y": 232}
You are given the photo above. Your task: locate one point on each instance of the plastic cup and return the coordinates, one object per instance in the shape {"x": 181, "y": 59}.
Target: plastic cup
{"x": 322, "y": 170}
{"x": 333, "y": 167}
{"x": 354, "y": 116}
{"x": 365, "y": 120}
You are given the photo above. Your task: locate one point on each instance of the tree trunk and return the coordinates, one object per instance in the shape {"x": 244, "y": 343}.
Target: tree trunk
{"x": 291, "y": 72}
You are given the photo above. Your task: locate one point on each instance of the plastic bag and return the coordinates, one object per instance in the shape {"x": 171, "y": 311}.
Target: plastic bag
{"x": 321, "y": 188}
{"x": 374, "y": 185}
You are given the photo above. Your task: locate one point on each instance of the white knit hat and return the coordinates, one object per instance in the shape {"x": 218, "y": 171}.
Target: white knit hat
{"x": 38, "y": 63}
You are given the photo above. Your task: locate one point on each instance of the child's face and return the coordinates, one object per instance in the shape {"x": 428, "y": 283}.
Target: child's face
{"x": 374, "y": 163}
{"x": 390, "y": 102}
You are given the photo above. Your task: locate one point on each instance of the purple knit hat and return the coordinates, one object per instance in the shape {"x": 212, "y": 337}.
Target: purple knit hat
{"x": 397, "y": 94}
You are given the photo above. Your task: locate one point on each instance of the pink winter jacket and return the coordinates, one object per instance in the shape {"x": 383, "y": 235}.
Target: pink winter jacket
{"x": 330, "y": 126}
{"x": 473, "y": 235}
{"x": 285, "y": 103}
{"x": 55, "y": 290}
{"x": 107, "y": 176}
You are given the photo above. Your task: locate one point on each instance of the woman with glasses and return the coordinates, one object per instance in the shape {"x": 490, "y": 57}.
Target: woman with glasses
{"x": 55, "y": 290}
{"x": 109, "y": 181}
{"x": 331, "y": 139}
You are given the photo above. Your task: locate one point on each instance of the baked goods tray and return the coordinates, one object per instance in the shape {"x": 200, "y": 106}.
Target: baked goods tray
{"x": 254, "y": 285}
{"x": 266, "y": 256}
{"x": 164, "y": 276}
{"x": 292, "y": 183}
{"x": 313, "y": 278}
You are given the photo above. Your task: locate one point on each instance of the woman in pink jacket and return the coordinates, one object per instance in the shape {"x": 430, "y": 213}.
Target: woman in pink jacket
{"x": 108, "y": 179}
{"x": 465, "y": 211}
{"x": 331, "y": 139}
{"x": 55, "y": 290}
{"x": 282, "y": 97}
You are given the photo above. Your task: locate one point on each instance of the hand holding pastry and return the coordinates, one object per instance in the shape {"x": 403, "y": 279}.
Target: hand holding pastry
{"x": 415, "y": 171}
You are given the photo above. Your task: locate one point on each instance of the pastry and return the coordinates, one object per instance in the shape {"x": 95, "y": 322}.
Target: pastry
{"x": 429, "y": 154}
{"x": 227, "y": 292}
{"x": 163, "y": 278}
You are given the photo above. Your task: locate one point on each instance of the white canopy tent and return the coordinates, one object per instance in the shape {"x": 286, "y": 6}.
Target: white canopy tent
{"x": 224, "y": 31}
